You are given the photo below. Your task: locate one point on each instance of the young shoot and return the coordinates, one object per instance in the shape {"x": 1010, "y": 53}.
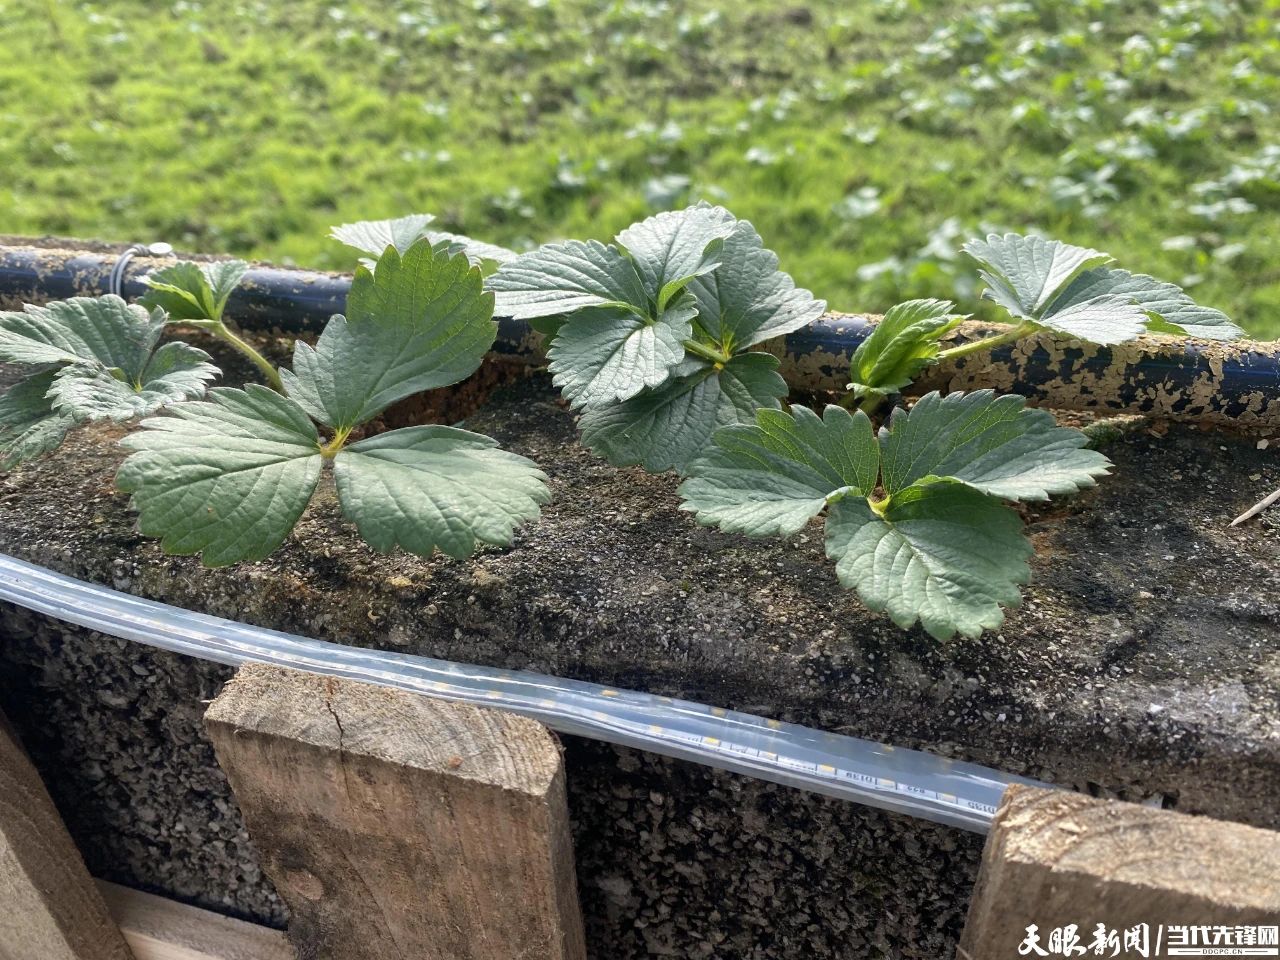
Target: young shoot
{"x": 902, "y": 344}
{"x": 196, "y": 294}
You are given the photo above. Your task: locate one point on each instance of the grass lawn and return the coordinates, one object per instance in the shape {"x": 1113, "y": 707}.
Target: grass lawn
{"x": 865, "y": 138}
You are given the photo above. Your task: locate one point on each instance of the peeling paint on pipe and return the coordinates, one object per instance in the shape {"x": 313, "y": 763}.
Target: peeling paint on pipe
{"x": 1234, "y": 384}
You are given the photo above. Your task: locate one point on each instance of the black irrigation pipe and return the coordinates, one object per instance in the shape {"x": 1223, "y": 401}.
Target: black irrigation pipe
{"x": 1184, "y": 380}
{"x": 1235, "y": 384}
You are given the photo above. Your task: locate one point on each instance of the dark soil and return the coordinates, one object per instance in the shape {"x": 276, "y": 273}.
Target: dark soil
{"x": 1144, "y": 663}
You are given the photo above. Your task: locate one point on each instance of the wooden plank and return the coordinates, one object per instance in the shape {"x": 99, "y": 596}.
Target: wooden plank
{"x": 49, "y": 906}
{"x": 1055, "y": 858}
{"x": 157, "y": 928}
{"x": 397, "y": 826}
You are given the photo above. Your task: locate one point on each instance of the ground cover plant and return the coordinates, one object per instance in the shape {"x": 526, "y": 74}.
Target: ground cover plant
{"x": 877, "y": 134}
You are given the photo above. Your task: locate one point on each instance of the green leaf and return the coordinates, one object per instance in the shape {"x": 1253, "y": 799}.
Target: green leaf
{"x": 422, "y": 321}
{"x": 747, "y": 299}
{"x": 487, "y": 256}
{"x": 193, "y": 291}
{"x": 180, "y": 369}
{"x": 228, "y": 478}
{"x": 771, "y": 477}
{"x": 991, "y": 443}
{"x": 29, "y": 426}
{"x": 1025, "y": 273}
{"x": 564, "y": 277}
{"x": 549, "y": 327}
{"x": 667, "y": 427}
{"x": 1171, "y": 308}
{"x": 603, "y": 354}
{"x": 101, "y": 330}
{"x": 1105, "y": 320}
{"x": 180, "y": 290}
{"x": 941, "y": 553}
{"x": 223, "y": 276}
{"x": 106, "y": 366}
{"x": 672, "y": 248}
{"x": 902, "y": 344}
{"x": 176, "y": 372}
{"x": 431, "y": 487}
{"x": 375, "y": 236}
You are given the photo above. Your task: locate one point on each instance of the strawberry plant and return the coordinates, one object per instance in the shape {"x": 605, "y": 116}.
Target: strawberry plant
{"x": 657, "y": 340}
{"x": 229, "y": 477}
{"x": 917, "y": 515}
{"x": 1045, "y": 285}
{"x": 1075, "y": 292}
{"x": 653, "y": 336}
{"x": 88, "y": 359}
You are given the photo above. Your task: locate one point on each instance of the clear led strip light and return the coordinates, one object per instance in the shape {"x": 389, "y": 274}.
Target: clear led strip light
{"x": 951, "y": 792}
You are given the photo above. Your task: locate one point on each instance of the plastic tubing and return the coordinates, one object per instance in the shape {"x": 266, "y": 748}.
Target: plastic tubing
{"x": 950, "y": 792}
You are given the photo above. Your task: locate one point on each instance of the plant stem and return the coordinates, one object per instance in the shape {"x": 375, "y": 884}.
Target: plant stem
{"x": 868, "y": 403}
{"x": 223, "y": 333}
{"x": 706, "y": 352}
{"x": 330, "y": 449}
{"x": 989, "y": 343}
{"x": 871, "y": 402}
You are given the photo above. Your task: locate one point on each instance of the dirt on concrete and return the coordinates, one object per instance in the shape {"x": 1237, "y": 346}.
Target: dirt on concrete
{"x": 1144, "y": 664}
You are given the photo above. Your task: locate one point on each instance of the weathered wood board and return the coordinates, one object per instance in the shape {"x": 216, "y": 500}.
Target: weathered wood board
{"x": 1066, "y": 864}
{"x": 49, "y": 906}
{"x": 397, "y": 826}
{"x": 157, "y": 928}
